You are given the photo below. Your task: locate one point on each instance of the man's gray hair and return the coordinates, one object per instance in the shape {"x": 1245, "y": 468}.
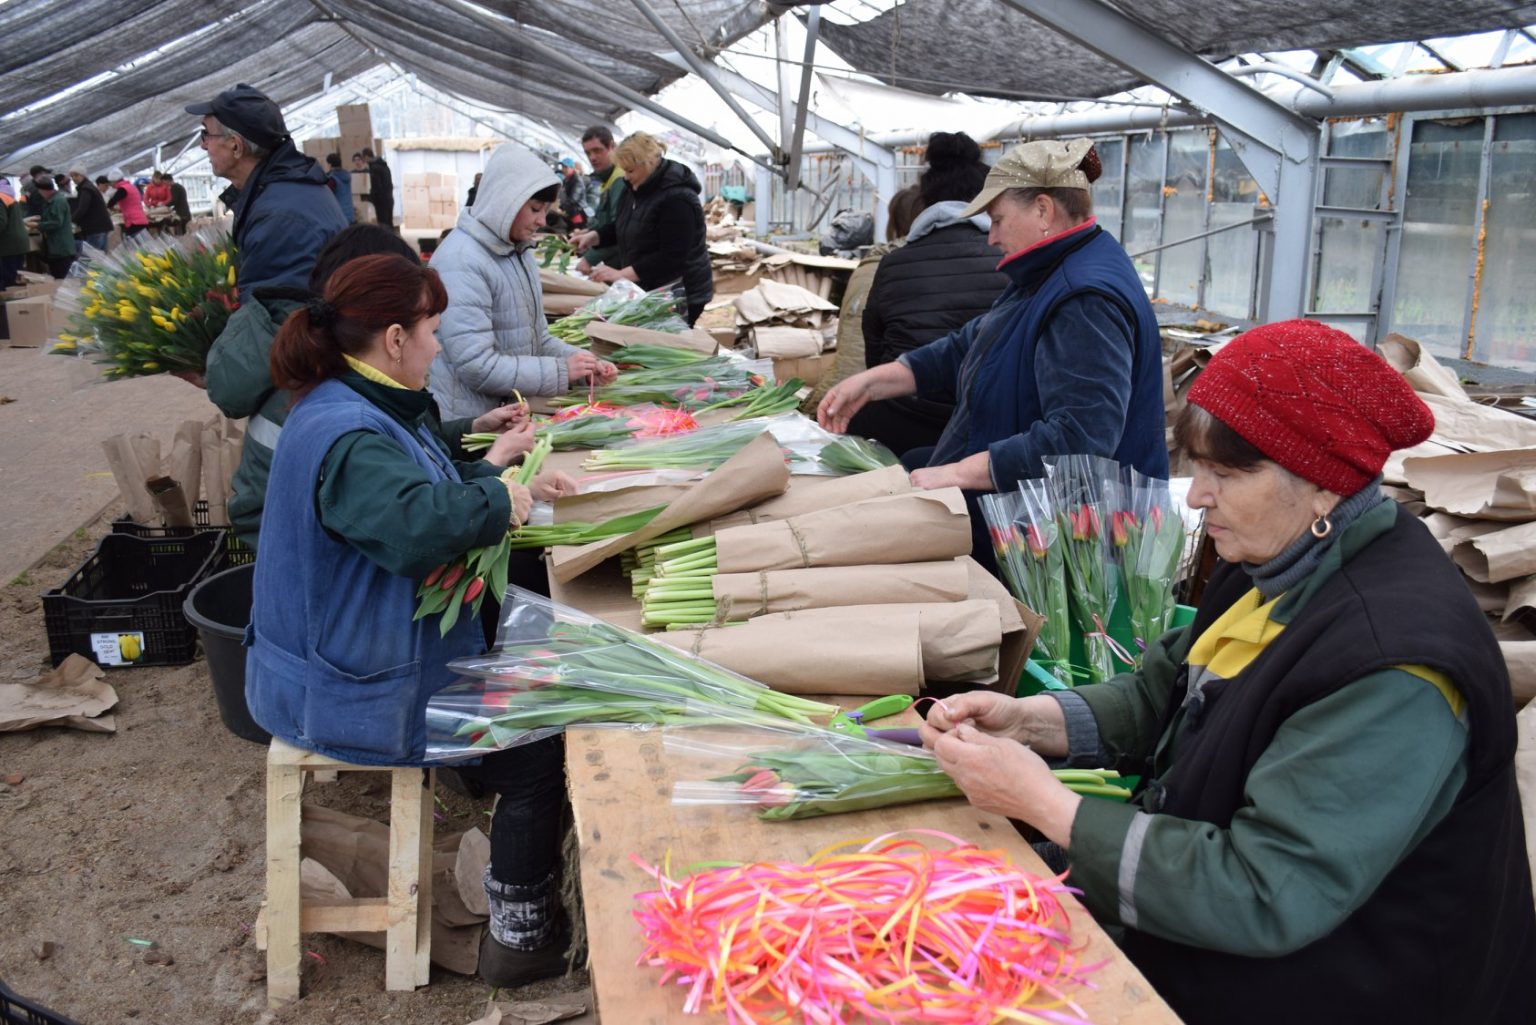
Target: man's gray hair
{"x": 259, "y": 152}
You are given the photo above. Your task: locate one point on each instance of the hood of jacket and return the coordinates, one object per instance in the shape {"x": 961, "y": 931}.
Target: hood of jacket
{"x": 669, "y": 174}
{"x": 943, "y": 215}
{"x": 512, "y": 176}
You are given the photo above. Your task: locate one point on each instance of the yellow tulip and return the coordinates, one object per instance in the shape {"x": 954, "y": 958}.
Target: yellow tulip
{"x": 222, "y": 259}
{"x": 151, "y": 365}
{"x": 64, "y": 346}
{"x": 230, "y": 277}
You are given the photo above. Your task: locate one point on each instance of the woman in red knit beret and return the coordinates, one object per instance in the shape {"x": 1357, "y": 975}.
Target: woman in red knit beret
{"x": 1328, "y": 827}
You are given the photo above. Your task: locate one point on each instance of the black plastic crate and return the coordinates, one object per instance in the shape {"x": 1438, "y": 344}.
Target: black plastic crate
{"x": 236, "y": 552}
{"x": 16, "y": 1011}
{"x": 122, "y": 607}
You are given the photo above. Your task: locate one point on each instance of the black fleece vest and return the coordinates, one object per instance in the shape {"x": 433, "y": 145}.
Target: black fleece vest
{"x": 1450, "y": 935}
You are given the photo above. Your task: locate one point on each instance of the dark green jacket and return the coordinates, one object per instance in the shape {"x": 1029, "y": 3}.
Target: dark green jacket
{"x": 370, "y": 494}
{"x": 607, "y": 212}
{"x": 240, "y": 384}
{"x": 13, "y": 227}
{"x": 57, "y": 228}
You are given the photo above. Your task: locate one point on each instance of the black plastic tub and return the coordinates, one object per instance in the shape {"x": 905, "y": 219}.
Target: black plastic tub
{"x": 220, "y": 608}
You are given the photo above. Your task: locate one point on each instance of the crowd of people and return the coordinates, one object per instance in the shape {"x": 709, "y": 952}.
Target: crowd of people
{"x": 1001, "y": 326}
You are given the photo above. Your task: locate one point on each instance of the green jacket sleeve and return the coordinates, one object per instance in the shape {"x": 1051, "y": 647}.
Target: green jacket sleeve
{"x": 373, "y": 495}
{"x": 1349, "y": 785}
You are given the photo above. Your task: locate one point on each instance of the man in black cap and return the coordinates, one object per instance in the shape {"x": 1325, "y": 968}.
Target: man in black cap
{"x": 283, "y": 211}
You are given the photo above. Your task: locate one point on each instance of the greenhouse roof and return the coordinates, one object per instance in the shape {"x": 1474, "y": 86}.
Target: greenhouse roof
{"x": 79, "y": 94}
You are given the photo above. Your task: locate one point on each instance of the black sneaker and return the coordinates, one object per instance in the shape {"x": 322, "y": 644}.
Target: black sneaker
{"x": 506, "y": 968}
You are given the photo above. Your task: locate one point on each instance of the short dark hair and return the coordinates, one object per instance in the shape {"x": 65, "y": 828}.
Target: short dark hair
{"x": 36, "y": 170}
{"x": 333, "y": 159}
{"x": 601, "y": 134}
{"x": 352, "y": 242}
{"x": 167, "y": 176}
{"x": 1202, "y": 436}
{"x": 368, "y": 152}
{"x": 546, "y": 195}
{"x": 357, "y": 156}
{"x": 45, "y": 181}
{"x": 103, "y": 179}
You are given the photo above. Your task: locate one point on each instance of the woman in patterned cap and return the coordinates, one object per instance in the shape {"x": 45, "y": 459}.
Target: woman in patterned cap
{"x": 1328, "y": 827}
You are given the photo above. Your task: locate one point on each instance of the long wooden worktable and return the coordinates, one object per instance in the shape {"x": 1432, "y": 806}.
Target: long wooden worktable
{"x": 621, "y": 794}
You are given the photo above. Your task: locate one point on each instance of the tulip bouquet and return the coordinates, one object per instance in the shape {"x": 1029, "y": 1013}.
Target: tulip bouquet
{"x": 1150, "y": 557}
{"x": 154, "y": 308}
{"x": 555, "y": 251}
{"x": 554, "y": 667}
{"x": 1031, "y": 552}
{"x": 453, "y": 585}
{"x": 659, "y": 311}
{"x": 1077, "y": 487}
{"x": 694, "y": 385}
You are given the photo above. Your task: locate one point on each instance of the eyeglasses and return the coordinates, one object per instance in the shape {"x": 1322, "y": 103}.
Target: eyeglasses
{"x": 203, "y": 135}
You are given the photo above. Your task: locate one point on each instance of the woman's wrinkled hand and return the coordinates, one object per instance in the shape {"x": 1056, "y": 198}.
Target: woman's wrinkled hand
{"x": 552, "y": 484}
{"x": 522, "y": 502}
{"x": 842, "y": 401}
{"x": 989, "y": 711}
{"x": 510, "y": 444}
{"x": 1005, "y": 777}
{"x": 604, "y": 274}
{"x": 500, "y": 419}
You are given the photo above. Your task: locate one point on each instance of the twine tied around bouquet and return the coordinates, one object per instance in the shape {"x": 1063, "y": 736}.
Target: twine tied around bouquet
{"x": 762, "y": 593}
{"x": 722, "y": 618}
{"x": 805, "y": 552}
{"x": 1115, "y": 647}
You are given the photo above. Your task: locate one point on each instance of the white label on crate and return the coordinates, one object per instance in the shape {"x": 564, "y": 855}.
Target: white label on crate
{"x": 118, "y": 649}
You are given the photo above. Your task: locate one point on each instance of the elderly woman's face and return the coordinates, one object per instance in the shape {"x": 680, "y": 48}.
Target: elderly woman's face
{"x": 1252, "y": 515}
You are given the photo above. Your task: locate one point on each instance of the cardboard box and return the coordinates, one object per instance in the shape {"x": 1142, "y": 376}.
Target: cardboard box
{"x": 354, "y": 119}
{"x": 807, "y": 368}
{"x": 321, "y": 146}
{"x": 30, "y": 321}
{"x": 360, "y": 181}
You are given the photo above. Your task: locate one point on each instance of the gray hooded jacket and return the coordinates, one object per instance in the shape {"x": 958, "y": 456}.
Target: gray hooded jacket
{"x": 493, "y": 334}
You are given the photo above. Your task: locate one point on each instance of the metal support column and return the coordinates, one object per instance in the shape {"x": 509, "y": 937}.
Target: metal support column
{"x": 797, "y": 133}
{"x": 1278, "y": 146}
{"x": 762, "y": 201}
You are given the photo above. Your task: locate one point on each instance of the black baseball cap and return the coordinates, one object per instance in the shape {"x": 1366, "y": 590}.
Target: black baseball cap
{"x": 248, "y": 111}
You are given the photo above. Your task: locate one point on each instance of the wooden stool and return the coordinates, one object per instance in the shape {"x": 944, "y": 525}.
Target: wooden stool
{"x": 405, "y": 915}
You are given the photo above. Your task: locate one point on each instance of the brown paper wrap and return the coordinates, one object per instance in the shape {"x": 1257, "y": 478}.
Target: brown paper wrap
{"x": 186, "y": 463}
{"x": 804, "y": 656}
{"x": 1479, "y": 485}
{"x": 554, "y": 281}
{"x": 745, "y": 595}
{"x": 749, "y": 476}
{"x": 810, "y": 494}
{"x": 608, "y": 337}
{"x": 835, "y": 648}
{"x": 600, "y": 506}
{"x": 131, "y": 468}
{"x": 916, "y": 527}
{"x": 1498, "y": 555}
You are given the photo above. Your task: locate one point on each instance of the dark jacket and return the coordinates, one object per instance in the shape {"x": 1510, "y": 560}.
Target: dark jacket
{"x": 605, "y": 212}
{"x": 91, "y": 212}
{"x": 945, "y": 276}
{"x": 381, "y": 190}
{"x": 1449, "y": 934}
{"x": 660, "y": 232}
{"x": 284, "y": 216}
{"x": 14, "y": 240}
{"x": 179, "y": 202}
{"x": 57, "y": 231}
{"x": 1068, "y": 361}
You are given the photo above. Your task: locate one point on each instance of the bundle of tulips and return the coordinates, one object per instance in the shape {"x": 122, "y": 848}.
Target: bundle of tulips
{"x": 154, "y": 308}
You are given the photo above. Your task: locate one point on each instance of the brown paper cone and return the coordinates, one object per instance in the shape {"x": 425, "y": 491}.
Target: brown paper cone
{"x": 186, "y": 462}
{"x": 745, "y": 595}
{"x": 920, "y": 526}
{"x": 960, "y": 639}
{"x": 170, "y": 501}
{"x": 810, "y": 494}
{"x": 1498, "y": 555}
{"x": 130, "y": 474}
{"x": 803, "y": 656}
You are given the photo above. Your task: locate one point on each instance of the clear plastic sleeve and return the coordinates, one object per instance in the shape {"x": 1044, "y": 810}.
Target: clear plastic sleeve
{"x": 554, "y": 667}
{"x": 1077, "y": 493}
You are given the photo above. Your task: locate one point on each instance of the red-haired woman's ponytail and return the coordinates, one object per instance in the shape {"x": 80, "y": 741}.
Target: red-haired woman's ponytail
{"x": 362, "y": 299}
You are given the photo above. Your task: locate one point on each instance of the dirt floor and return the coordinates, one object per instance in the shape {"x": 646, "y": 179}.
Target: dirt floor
{"x": 156, "y": 833}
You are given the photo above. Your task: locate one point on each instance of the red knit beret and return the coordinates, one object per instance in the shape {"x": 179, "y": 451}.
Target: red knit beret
{"x": 1314, "y": 400}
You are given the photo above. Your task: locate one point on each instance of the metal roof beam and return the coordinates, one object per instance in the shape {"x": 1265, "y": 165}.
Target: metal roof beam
{"x": 1278, "y": 146}
{"x": 706, "y": 71}
{"x": 797, "y": 132}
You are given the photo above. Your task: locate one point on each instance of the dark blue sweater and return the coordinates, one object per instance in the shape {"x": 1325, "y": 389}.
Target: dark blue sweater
{"x": 1067, "y": 361}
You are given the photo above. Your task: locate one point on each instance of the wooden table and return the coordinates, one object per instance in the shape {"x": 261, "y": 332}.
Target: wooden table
{"x": 621, "y": 793}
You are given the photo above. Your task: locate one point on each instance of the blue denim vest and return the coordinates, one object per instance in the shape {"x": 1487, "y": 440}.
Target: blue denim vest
{"x": 335, "y": 662}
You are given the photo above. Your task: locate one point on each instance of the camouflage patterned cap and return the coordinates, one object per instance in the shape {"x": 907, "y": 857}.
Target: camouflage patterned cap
{"x": 1043, "y": 164}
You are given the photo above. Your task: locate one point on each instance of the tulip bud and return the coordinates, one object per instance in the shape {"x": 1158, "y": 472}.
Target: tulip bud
{"x": 452, "y": 579}
{"x": 473, "y": 590}
{"x": 435, "y": 575}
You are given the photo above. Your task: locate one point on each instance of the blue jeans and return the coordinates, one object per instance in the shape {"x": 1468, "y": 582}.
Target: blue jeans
{"x": 526, "y": 827}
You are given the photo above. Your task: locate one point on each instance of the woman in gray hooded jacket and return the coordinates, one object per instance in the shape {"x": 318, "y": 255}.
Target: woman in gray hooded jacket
{"x": 495, "y": 342}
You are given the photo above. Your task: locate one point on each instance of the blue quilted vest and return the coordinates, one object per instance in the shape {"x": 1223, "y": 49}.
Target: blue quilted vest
{"x": 996, "y": 392}
{"x": 335, "y": 662}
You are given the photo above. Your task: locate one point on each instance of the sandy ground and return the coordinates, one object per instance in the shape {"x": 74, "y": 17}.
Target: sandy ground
{"x": 154, "y": 832}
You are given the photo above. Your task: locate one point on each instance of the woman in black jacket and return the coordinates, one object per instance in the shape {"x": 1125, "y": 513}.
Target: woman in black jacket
{"x": 660, "y": 227}
{"x": 943, "y": 277}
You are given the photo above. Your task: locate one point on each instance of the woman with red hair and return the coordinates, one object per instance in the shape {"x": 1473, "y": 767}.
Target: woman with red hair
{"x": 364, "y": 500}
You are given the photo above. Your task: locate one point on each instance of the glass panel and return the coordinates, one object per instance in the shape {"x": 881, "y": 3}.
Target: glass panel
{"x": 1345, "y": 266}
{"x": 1358, "y": 188}
{"x": 1439, "y": 218}
{"x": 1144, "y": 193}
{"x": 1233, "y": 253}
{"x": 1358, "y": 137}
{"x": 1109, "y": 190}
{"x": 1505, "y": 325}
{"x": 1184, "y": 215}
